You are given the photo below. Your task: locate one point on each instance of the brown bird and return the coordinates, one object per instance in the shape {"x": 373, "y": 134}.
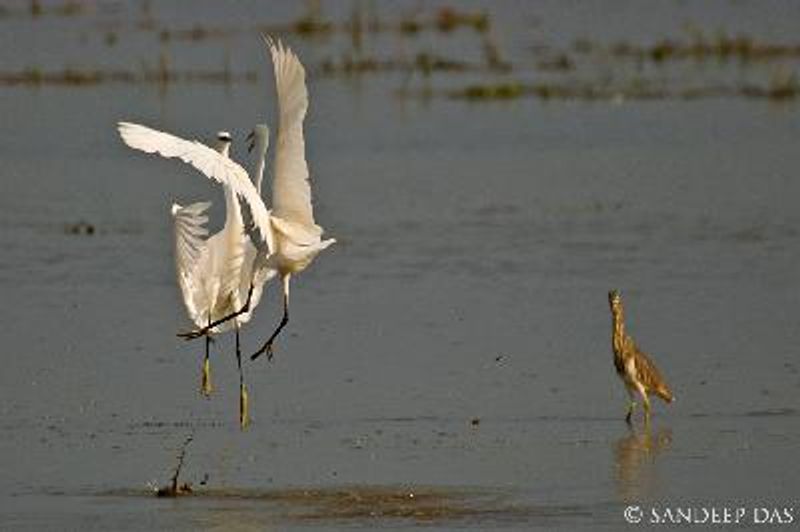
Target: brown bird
{"x": 636, "y": 370}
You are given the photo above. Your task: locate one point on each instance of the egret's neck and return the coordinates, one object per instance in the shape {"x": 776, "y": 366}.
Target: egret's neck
{"x": 233, "y": 214}
{"x": 258, "y": 172}
{"x": 224, "y": 148}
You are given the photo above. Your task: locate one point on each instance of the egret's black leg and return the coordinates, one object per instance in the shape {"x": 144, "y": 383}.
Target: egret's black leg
{"x": 267, "y": 347}
{"x": 244, "y": 420}
{"x": 205, "y": 383}
{"x": 194, "y": 335}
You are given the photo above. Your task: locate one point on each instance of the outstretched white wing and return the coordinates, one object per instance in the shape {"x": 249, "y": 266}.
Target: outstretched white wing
{"x": 211, "y": 163}
{"x": 291, "y": 192}
{"x": 190, "y": 246}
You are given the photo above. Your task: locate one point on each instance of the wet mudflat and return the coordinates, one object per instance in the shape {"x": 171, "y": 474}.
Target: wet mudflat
{"x": 448, "y": 363}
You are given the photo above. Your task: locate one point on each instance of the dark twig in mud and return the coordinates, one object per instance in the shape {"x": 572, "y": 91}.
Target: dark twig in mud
{"x": 173, "y": 489}
{"x": 80, "y": 228}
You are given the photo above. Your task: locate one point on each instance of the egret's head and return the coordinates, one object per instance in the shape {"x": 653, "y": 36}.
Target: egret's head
{"x": 258, "y": 137}
{"x": 223, "y": 142}
{"x": 615, "y": 301}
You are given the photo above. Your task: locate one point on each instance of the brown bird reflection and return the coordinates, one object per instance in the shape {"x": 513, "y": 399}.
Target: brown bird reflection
{"x": 635, "y": 461}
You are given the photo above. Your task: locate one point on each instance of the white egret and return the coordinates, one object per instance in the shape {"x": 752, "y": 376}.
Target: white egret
{"x": 210, "y": 270}
{"x": 195, "y": 259}
{"x": 298, "y": 239}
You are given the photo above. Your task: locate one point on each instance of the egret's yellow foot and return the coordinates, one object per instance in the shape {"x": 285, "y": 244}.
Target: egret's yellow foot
{"x": 205, "y": 383}
{"x": 244, "y": 419}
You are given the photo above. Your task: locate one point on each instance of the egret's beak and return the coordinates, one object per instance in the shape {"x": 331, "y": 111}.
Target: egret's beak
{"x": 251, "y": 140}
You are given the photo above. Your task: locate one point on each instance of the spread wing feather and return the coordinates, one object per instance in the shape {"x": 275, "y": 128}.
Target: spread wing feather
{"x": 190, "y": 246}
{"x": 212, "y": 164}
{"x": 291, "y": 190}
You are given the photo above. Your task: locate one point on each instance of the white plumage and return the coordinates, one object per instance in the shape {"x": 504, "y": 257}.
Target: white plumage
{"x": 297, "y": 237}
{"x": 190, "y": 245}
{"x": 224, "y": 271}
{"x": 291, "y": 191}
{"x": 210, "y": 270}
{"x": 213, "y": 165}
{"x": 214, "y": 274}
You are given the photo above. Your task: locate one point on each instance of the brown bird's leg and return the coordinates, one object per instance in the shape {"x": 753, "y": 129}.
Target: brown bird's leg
{"x": 194, "y": 335}
{"x": 646, "y": 404}
{"x": 631, "y": 405}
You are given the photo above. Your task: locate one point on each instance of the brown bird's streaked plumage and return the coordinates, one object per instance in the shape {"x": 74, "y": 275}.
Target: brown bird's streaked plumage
{"x": 636, "y": 370}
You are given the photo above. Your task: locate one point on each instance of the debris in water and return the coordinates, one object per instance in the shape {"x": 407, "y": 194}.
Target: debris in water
{"x": 173, "y": 489}
{"x": 80, "y": 228}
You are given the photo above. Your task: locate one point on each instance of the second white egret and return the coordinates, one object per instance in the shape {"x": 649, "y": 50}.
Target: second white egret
{"x": 210, "y": 270}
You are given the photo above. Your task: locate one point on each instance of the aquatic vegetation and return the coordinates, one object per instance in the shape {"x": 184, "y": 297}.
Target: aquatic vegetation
{"x": 501, "y": 91}
{"x": 36, "y": 9}
{"x": 312, "y": 23}
{"x": 308, "y": 26}
{"x": 722, "y": 47}
{"x": 632, "y": 90}
{"x": 493, "y": 56}
{"x": 75, "y": 77}
{"x": 196, "y": 33}
{"x": 444, "y": 20}
{"x": 409, "y": 25}
{"x": 560, "y": 62}
{"x": 449, "y": 19}
{"x": 782, "y": 86}
{"x": 424, "y": 62}
{"x": 627, "y": 68}
{"x": 68, "y": 76}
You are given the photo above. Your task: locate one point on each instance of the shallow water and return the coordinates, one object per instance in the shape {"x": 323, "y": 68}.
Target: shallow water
{"x": 455, "y": 343}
